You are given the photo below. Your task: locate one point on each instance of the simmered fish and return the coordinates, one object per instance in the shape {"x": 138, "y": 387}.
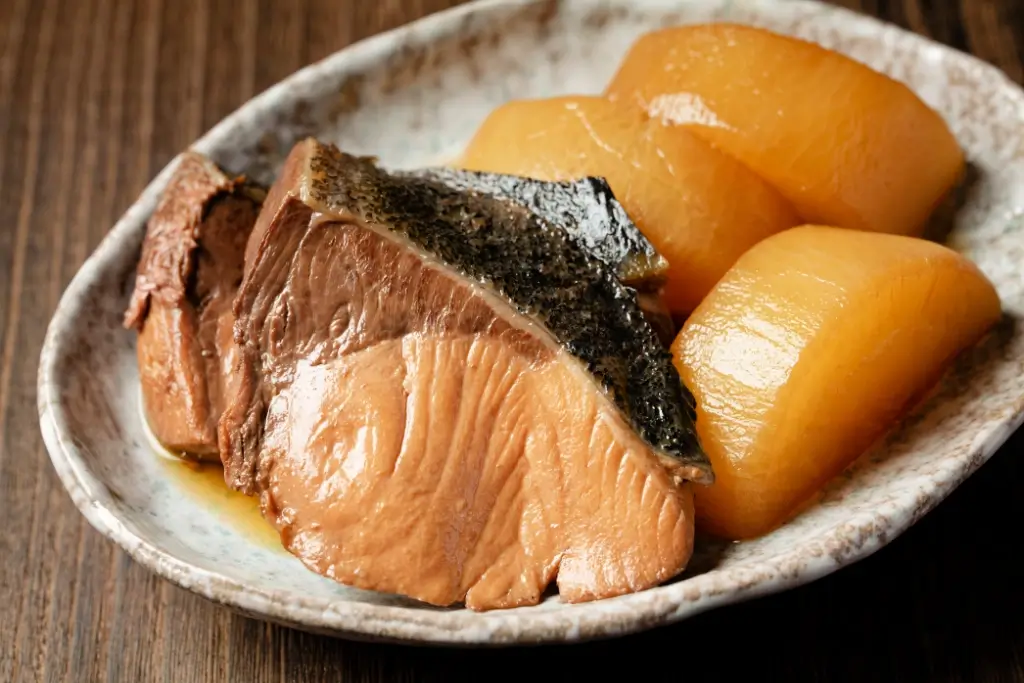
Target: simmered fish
{"x": 189, "y": 271}
{"x": 442, "y": 395}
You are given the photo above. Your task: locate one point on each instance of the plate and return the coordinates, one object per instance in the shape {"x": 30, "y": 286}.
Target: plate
{"x": 411, "y": 97}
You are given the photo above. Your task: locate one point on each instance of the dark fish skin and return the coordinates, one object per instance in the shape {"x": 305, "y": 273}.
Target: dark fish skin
{"x": 541, "y": 272}
{"x": 585, "y": 208}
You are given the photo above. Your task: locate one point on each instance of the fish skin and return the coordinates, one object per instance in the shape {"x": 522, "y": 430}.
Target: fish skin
{"x": 586, "y": 208}
{"x": 542, "y": 272}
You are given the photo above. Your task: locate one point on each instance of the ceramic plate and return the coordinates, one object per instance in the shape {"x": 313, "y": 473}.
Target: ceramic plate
{"x": 412, "y": 97}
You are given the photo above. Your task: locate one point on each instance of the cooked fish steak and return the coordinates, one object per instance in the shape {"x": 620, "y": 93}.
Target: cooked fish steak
{"x": 443, "y": 396}
{"x": 189, "y": 271}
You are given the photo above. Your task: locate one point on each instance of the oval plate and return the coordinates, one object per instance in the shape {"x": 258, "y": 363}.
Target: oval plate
{"x": 411, "y": 97}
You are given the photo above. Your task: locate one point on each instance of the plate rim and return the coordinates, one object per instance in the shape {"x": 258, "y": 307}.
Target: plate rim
{"x": 635, "y": 612}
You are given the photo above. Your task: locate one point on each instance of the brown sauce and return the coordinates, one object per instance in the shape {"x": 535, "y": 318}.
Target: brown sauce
{"x": 202, "y": 485}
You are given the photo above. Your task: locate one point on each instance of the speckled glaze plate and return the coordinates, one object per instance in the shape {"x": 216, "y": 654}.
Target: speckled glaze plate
{"x": 411, "y": 97}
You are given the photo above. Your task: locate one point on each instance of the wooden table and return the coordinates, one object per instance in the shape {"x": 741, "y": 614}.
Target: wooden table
{"x": 81, "y": 133}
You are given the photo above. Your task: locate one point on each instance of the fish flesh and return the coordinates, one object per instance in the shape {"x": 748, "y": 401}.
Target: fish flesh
{"x": 185, "y": 284}
{"x": 444, "y": 396}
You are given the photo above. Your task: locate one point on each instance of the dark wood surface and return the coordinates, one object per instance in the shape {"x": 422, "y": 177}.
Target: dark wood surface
{"x": 81, "y": 133}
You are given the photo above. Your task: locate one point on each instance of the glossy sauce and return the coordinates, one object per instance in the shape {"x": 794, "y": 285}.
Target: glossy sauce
{"x": 203, "y": 485}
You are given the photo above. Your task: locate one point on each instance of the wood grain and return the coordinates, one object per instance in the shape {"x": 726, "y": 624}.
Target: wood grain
{"x": 83, "y": 127}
